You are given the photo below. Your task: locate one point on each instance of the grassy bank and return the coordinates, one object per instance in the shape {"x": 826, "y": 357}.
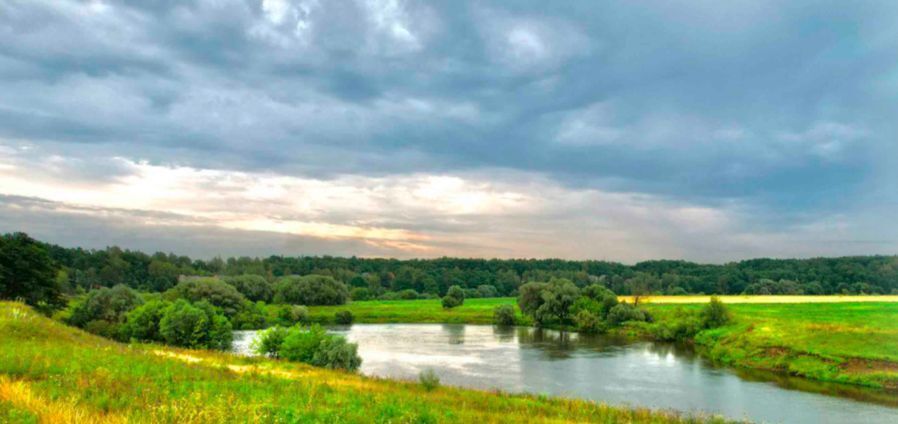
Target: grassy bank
{"x": 53, "y": 373}
{"x": 847, "y": 339}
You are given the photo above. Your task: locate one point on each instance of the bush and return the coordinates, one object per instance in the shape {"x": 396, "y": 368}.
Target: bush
{"x": 253, "y": 287}
{"x": 530, "y": 297}
{"x": 142, "y": 323}
{"x": 105, "y": 304}
{"x": 715, "y": 314}
{"x": 680, "y": 326}
{"x": 251, "y": 316}
{"x": 289, "y": 315}
{"x": 429, "y": 379}
{"x": 314, "y": 346}
{"x": 503, "y": 315}
{"x": 310, "y": 290}
{"x": 195, "y": 326}
{"x": 359, "y": 293}
{"x": 28, "y": 273}
{"x": 407, "y": 294}
{"x": 270, "y": 341}
{"x": 486, "y": 290}
{"x": 212, "y": 290}
{"x": 624, "y": 312}
{"x": 557, "y": 299}
{"x": 343, "y": 317}
{"x": 588, "y": 322}
{"x": 455, "y": 296}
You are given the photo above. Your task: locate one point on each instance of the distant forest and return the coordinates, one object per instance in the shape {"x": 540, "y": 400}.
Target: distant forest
{"x": 83, "y": 269}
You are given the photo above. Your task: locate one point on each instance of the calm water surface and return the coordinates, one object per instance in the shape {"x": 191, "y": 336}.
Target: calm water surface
{"x": 602, "y": 369}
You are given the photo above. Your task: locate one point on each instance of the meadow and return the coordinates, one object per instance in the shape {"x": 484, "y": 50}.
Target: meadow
{"x": 53, "y": 373}
{"x": 847, "y": 339}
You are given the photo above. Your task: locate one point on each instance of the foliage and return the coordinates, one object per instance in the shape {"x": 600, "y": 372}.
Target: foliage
{"x": 212, "y": 290}
{"x": 360, "y": 293}
{"x": 195, "y": 326}
{"x": 313, "y": 346}
{"x": 269, "y": 341}
{"x": 624, "y": 312}
{"x": 455, "y": 296}
{"x": 530, "y": 297}
{"x": 253, "y": 287}
{"x": 142, "y": 323}
{"x": 429, "y": 380}
{"x": 310, "y": 290}
{"x": 715, "y": 314}
{"x": 103, "y": 310}
{"x": 588, "y": 322}
{"x": 27, "y": 272}
{"x": 557, "y": 298}
{"x": 487, "y": 290}
{"x": 343, "y": 317}
{"x": 503, "y": 315}
{"x": 293, "y": 314}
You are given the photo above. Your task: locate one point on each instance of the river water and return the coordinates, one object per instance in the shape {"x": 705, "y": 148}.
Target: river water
{"x": 603, "y": 369}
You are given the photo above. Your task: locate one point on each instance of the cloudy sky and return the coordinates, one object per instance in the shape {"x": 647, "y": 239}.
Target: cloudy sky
{"x": 700, "y": 129}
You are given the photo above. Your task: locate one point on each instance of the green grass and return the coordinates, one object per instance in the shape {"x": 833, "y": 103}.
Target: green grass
{"x": 473, "y": 311}
{"x": 854, "y": 343}
{"x": 53, "y": 373}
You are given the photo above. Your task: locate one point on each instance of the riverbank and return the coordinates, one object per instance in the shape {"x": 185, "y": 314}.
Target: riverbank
{"x": 853, "y": 341}
{"x": 50, "y": 372}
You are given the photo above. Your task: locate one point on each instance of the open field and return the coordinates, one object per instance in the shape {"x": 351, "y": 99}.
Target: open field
{"x": 52, "y": 373}
{"x": 763, "y": 299}
{"x": 849, "y": 339}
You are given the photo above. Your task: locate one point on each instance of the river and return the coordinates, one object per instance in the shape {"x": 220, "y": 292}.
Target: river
{"x": 601, "y": 368}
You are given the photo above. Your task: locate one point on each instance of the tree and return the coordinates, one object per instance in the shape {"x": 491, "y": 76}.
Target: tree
{"x": 530, "y": 297}
{"x": 455, "y": 296}
{"x": 105, "y": 304}
{"x": 557, "y": 298}
{"x": 28, "y": 273}
{"x": 503, "y": 315}
{"x": 195, "y": 326}
{"x": 142, "y": 323}
{"x": 254, "y": 287}
{"x": 715, "y": 314}
{"x": 211, "y": 290}
{"x": 310, "y": 290}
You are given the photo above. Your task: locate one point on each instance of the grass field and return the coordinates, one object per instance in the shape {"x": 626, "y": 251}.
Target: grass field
{"x": 848, "y": 339}
{"x": 51, "y": 373}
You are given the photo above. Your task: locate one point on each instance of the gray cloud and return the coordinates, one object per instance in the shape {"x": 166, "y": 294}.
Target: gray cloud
{"x": 785, "y": 107}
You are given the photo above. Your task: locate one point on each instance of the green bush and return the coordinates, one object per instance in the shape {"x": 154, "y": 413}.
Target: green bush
{"x": 429, "y": 379}
{"x": 624, "y": 312}
{"x": 455, "y": 296}
{"x": 142, "y": 323}
{"x": 251, "y": 316}
{"x": 105, "y": 304}
{"x": 343, "y": 317}
{"x": 314, "y": 346}
{"x": 557, "y": 299}
{"x": 530, "y": 297}
{"x": 503, "y": 315}
{"x": 253, "y": 287}
{"x": 195, "y": 326}
{"x": 269, "y": 341}
{"x": 293, "y": 314}
{"x": 681, "y": 325}
{"x": 310, "y": 290}
{"x": 359, "y": 293}
{"x": 487, "y": 290}
{"x": 212, "y": 290}
{"x": 715, "y": 314}
{"x": 589, "y": 322}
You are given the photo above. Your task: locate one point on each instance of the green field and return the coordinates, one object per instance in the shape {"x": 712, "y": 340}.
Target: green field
{"x": 849, "y": 342}
{"x": 52, "y": 373}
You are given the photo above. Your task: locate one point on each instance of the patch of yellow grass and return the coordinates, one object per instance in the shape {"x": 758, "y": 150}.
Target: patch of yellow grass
{"x": 761, "y": 299}
{"x": 19, "y": 394}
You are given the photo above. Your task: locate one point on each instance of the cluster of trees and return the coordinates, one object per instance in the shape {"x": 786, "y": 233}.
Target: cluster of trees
{"x": 595, "y": 309}
{"x": 371, "y": 278}
{"x": 455, "y": 296}
{"x": 312, "y": 345}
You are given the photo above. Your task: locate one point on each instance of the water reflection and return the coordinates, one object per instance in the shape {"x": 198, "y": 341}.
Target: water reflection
{"x": 607, "y": 369}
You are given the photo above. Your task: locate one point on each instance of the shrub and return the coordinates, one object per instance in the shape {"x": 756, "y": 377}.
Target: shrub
{"x": 343, "y": 317}
{"x": 429, "y": 379}
{"x": 407, "y": 294}
{"x": 557, "y": 298}
{"x": 715, "y": 314}
{"x": 310, "y": 290}
{"x": 270, "y": 341}
{"x": 212, "y": 290}
{"x": 28, "y": 273}
{"x": 195, "y": 326}
{"x": 624, "y": 312}
{"x": 314, "y": 346}
{"x": 680, "y": 326}
{"x": 588, "y": 322}
{"x": 359, "y": 293}
{"x": 105, "y": 304}
{"x": 503, "y": 315}
{"x": 253, "y": 287}
{"x": 487, "y": 290}
{"x": 142, "y": 323}
{"x": 293, "y": 314}
{"x": 455, "y": 296}
{"x": 251, "y": 316}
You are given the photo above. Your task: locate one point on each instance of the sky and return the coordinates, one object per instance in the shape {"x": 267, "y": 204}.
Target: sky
{"x": 701, "y": 130}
